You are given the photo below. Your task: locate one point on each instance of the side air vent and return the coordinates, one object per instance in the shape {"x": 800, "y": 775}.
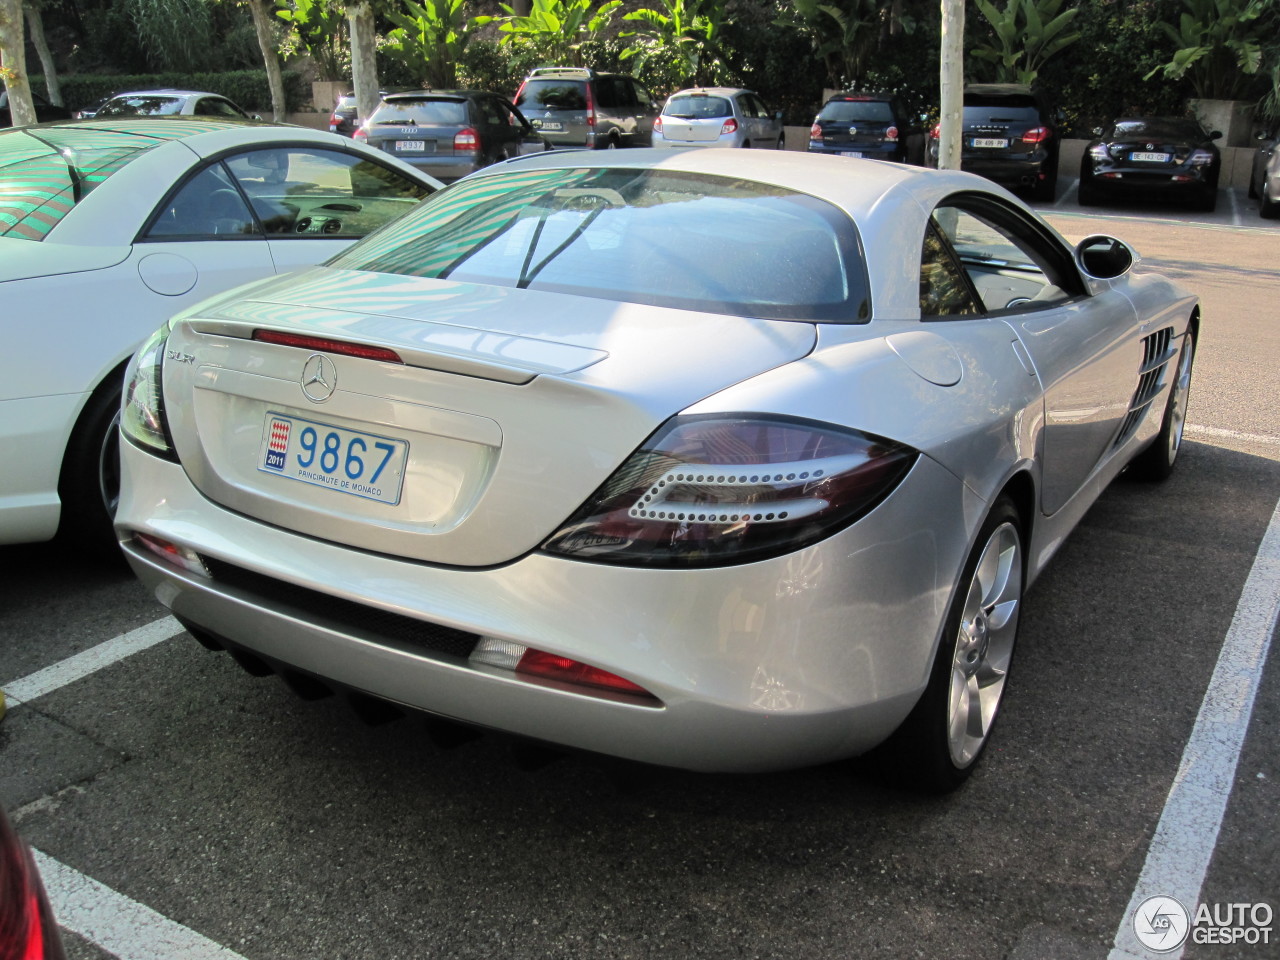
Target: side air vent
{"x": 1157, "y": 355}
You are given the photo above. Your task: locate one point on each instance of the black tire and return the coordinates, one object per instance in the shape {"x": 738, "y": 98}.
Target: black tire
{"x": 1087, "y": 195}
{"x": 927, "y": 752}
{"x": 1267, "y": 209}
{"x": 1253, "y": 189}
{"x": 89, "y": 485}
{"x": 782, "y": 141}
{"x": 1156, "y": 462}
{"x": 1047, "y": 189}
{"x": 1208, "y": 201}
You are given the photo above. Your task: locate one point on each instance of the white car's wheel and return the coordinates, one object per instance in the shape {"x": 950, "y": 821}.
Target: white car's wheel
{"x": 89, "y": 486}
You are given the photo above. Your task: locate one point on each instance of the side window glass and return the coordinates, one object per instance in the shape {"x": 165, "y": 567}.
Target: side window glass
{"x": 608, "y": 90}
{"x": 207, "y": 207}
{"x": 944, "y": 291}
{"x": 643, "y": 97}
{"x": 1002, "y": 267}
{"x": 306, "y": 192}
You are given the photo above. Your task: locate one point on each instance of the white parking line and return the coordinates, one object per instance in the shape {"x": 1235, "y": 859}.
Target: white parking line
{"x": 122, "y": 927}
{"x": 1187, "y": 833}
{"x": 1193, "y": 430}
{"x": 89, "y": 661}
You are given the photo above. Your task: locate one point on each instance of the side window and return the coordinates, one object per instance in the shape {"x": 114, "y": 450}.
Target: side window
{"x": 207, "y": 207}
{"x": 1007, "y": 264}
{"x": 309, "y": 192}
{"x": 215, "y": 107}
{"x": 492, "y": 114}
{"x": 761, "y": 110}
{"x": 643, "y": 97}
{"x": 944, "y": 290}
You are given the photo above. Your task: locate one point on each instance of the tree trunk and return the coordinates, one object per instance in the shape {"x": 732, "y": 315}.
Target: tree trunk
{"x": 364, "y": 66}
{"x": 35, "y": 26}
{"x": 262, "y": 22}
{"x": 13, "y": 63}
{"x": 951, "y": 78}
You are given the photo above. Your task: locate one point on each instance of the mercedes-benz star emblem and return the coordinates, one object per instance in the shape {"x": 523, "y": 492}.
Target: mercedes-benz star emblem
{"x": 319, "y": 378}
{"x": 1151, "y": 146}
{"x": 853, "y": 131}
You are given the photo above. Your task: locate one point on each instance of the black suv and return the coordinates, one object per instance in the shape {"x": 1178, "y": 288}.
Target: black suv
{"x": 1010, "y": 136}
{"x": 872, "y": 125}
{"x": 576, "y": 107}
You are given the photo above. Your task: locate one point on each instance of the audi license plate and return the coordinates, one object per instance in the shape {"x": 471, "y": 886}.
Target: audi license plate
{"x": 411, "y": 146}
{"x": 852, "y": 153}
{"x": 348, "y": 461}
{"x": 1149, "y": 157}
{"x": 989, "y": 142}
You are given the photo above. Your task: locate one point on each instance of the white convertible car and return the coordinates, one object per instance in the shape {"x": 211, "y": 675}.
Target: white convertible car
{"x": 723, "y": 459}
{"x": 107, "y": 227}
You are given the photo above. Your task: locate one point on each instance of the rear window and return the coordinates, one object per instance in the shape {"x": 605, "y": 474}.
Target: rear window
{"x": 554, "y": 94}
{"x": 141, "y": 107}
{"x": 658, "y": 237}
{"x": 1186, "y": 130}
{"x": 445, "y": 113}
{"x": 694, "y": 107}
{"x": 850, "y": 111}
{"x": 45, "y": 172}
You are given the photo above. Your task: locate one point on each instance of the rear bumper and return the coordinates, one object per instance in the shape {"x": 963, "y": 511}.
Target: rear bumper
{"x": 445, "y": 168}
{"x": 869, "y": 151}
{"x": 802, "y": 659}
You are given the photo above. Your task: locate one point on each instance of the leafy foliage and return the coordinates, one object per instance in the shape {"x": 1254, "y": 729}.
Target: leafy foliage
{"x": 429, "y": 38}
{"x": 555, "y": 30}
{"x": 683, "y": 40}
{"x": 1028, "y": 33}
{"x": 319, "y": 27}
{"x": 1220, "y": 46}
{"x": 174, "y": 33}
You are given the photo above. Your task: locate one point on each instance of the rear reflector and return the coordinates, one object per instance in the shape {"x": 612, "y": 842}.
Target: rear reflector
{"x": 537, "y": 663}
{"x": 182, "y": 557}
{"x": 328, "y": 346}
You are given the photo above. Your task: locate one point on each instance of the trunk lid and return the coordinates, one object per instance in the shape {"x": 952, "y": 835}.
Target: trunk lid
{"x": 510, "y": 409}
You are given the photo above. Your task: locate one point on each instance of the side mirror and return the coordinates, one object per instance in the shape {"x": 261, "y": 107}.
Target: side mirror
{"x": 1104, "y": 258}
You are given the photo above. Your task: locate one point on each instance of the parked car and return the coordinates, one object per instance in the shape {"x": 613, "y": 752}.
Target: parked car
{"x": 718, "y": 459}
{"x": 1264, "y": 179}
{"x": 718, "y": 117}
{"x": 1010, "y": 135}
{"x": 1135, "y": 157}
{"x": 170, "y": 103}
{"x": 45, "y": 111}
{"x": 450, "y": 133}
{"x": 875, "y": 126}
{"x": 28, "y": 930}
{"x": 344, "y": 119}
{"x": 576, "y": 107}
{"x": 109, "y": 226}
{"x": 91, "y": 110}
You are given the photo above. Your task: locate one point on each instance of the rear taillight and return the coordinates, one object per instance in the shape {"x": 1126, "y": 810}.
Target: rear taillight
{"x": 729, "y": 126}
{"x": 1036, "y": 135}
{"x": 891, "y": 134}
{"x": 815, "y": 132}
{"x": 657, "y": 124}
{"x": 709, "y": 491}
{"x": 466, "y": 139}
{"x": 170, "y": 552}
{"x": 28, "y": 930}
{"x": 360, "y": 135}
{"x": 325, "y": 345}
{"x": 334, "y": 119}
{"x": 528, "y": 662}
{"x": 936, "y": 132}
{"x": 142, "y": 418}
{"x": 519, "y": 93}
{"x": 591, "y": 107}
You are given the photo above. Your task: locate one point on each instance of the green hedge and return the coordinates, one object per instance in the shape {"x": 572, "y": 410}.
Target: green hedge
{"x": 248, "y": 88}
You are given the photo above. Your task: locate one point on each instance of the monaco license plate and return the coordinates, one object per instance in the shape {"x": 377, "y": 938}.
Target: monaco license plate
{"x": 411, "y": 146}
{"x": 1140, "y": 157}
{"x": 852, "y": 153}
{"x": 990, "y": 142}
{"x": 348, "y": 461}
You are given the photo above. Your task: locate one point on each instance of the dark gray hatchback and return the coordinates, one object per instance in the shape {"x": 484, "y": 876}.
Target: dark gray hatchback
{"x": 450, "y": 133}
{"x": 577, "y": 107}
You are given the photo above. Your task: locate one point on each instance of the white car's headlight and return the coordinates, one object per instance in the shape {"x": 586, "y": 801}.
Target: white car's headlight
{"x": 142, "y": 418}
{"x": 708, "y": 491}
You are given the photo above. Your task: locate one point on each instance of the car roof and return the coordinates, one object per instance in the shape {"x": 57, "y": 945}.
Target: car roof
{"x": 437, "y": 95}
{"x": 712, "y": 91}
{"x": 882, "y": 197}
{"x": 168, "y": 92}
{"x": 859, "y": 95}
{"x": 1000, "y": 89}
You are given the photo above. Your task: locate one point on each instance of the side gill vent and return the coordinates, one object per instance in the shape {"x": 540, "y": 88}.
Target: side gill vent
{"x": 1156, "y": 357}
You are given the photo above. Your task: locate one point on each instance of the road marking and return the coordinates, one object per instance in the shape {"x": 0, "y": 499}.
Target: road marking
{"x": 1193, "y": 430}
{"x": 1187, "y": 833}
{"x": 1075, "y": 184}
{"x": 1235, "y": 208}
{"x": 119, "y": 925}
{"x": 89, "y": 661}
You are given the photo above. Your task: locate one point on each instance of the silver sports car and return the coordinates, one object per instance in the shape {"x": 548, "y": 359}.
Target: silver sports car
{"x": 715, "y": 459}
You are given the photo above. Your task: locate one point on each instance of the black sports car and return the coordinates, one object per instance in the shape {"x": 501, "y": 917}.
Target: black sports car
{"x": 1135, "y": 157}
